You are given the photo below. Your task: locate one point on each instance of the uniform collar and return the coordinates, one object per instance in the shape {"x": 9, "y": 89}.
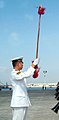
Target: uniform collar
{"x": 16, "y": 71}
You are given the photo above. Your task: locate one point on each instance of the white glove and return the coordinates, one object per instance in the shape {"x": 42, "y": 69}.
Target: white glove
{"x": 36, "y": 61}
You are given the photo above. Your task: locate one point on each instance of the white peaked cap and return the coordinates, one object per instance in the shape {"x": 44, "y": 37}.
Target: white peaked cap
{"x": 17, "y": 58}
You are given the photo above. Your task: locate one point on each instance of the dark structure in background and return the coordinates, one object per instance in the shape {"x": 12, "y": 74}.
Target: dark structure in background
{"x": 3, "y": 86}
{"x": 56, "y": 107}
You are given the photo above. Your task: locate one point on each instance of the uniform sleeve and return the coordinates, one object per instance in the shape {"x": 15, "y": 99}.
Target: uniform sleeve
{"x": 22, "y": 75}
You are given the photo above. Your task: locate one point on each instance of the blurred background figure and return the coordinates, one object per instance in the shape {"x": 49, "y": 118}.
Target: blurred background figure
{"x": 56, "y": 107}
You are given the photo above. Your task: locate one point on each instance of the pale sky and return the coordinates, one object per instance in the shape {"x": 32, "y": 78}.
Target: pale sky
{"x": 18, "y": 34}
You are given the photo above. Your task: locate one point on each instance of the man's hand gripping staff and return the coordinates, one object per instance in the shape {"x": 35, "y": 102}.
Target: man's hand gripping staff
{"x": 35, "y": 75}
{"x": 37, "y": 69}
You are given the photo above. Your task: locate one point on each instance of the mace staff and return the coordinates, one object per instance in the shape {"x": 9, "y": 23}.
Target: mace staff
{"x": 38, "y": 36}
{"x": 40, "y": 12}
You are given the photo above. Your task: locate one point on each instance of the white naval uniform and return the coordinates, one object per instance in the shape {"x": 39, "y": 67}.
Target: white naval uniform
{"x": 20, "y": 97}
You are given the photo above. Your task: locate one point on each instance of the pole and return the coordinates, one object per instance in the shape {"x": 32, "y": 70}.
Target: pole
{"x": 38, "y": 36}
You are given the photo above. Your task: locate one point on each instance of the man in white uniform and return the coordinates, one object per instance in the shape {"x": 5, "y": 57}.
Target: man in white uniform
{"x": 20, "y": 100}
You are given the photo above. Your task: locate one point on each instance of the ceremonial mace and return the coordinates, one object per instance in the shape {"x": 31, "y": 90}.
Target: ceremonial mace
{"x": 40, "y": 12}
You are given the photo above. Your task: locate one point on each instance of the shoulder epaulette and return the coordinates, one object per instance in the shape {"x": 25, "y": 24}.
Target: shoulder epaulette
{"x": 18, "y": 73}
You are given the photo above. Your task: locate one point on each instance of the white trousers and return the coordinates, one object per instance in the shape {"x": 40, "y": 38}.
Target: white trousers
{"x": 19, "y": 113}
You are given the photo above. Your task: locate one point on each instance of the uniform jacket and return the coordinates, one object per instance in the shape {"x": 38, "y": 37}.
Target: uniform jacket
{"x": 19, "y": 95}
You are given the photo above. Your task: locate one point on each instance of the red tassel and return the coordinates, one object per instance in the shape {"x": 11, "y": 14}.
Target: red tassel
{"x": 41, "y": 10}
{"x": 36, "y": 72}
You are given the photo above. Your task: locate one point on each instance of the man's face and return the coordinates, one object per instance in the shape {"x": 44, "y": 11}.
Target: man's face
{"x": 20, "y": 65}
